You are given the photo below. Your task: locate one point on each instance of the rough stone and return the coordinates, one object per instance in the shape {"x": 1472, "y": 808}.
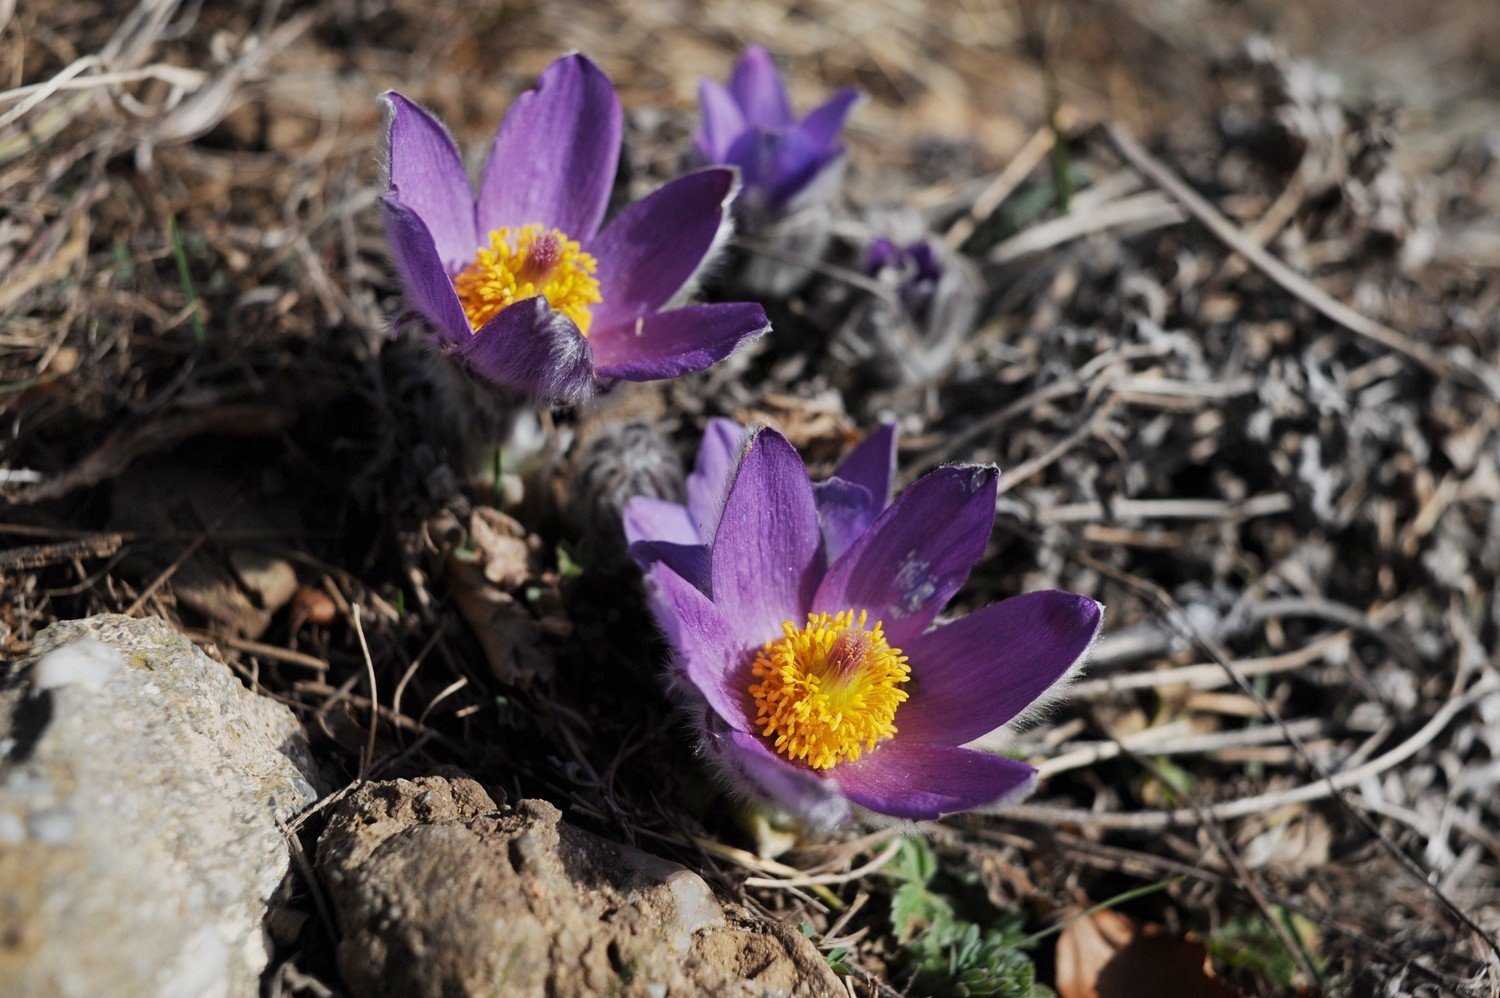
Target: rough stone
{"x": 140, "y": 787}
{"x": 439, "y": 891}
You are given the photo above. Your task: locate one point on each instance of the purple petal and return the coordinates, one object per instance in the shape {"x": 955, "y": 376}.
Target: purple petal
{"x": 723, "y": 442}
{"x": 975, "y": 674}
{"x": 757, "y": 88}
{"x": 709, "y": 653}
{"x": 425, "y": 279}
{"x": 753, "y": 768}
{"x": 722, "y": 122}
{"x": 688, "y": 560}
{"x": 872, "y": 463}
{"x": 656, "y": 245}
{"x": 918, "y": 781}
{"x": 819, "y": 185}
{"x": 822, "y": 125}
{"x": 791, "y": 163}
{"x": 766, "y": 556}
{"x": 534, "y": 350}
{"x": 929, "y": 265}
{"x": 647, "y": 518}
{"x": 906, "y": 567}
{"x": 554, "y": 158}
{"x": 667, "y": 344}
{"x": 845, "y": 511}
{"x": 753, "y": 153}
{"x": 880, "y": 254}
{"x": 428, "y": 177}
{"x": 777, "y": 164}
{"x": 780, "y": 165}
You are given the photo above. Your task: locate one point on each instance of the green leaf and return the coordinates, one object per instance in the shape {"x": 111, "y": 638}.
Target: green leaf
{"x": 914, "y": 862}
{"x": 1248, "y": 942}
{"x": 914, "y": 910}
{"x": 185, "y": 276}
{"x": 569, "y": 564}
{"x": 947, "y": 953}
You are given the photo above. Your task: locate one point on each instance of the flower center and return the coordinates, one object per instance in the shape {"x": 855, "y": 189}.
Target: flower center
{"x": 828, "y": 692}
{"x": 523, "y": 263}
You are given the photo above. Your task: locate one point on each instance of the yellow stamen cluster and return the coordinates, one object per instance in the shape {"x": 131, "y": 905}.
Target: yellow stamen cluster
{"x": 828, "y": 692}
{"x": 523, "y": 263}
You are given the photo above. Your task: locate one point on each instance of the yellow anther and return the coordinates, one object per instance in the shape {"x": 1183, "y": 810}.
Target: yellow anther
{"x": 523, "y": 263}
{"x": 828, "y": 692}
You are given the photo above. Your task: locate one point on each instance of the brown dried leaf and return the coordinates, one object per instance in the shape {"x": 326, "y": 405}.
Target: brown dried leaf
{"x": 817, "y": 426}
{"x": 512, "y": 640}
{"x": 311, "y": 605}
{"x": 505, "y": 551}
{"x": 1292, "y": 847}
{"x": 1110, "y": 955}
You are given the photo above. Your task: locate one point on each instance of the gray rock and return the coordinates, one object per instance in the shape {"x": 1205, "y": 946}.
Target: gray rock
{"x": 140, "y": 784}
{"x": 438, "y": 891}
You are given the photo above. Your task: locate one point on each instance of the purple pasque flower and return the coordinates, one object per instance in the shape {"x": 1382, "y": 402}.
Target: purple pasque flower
{"x": 520, "y": 283}
{"x": 914, "y": 268}
{"x": 819, "y": 682}
{"x": 749, "y": 124}
{"x": 911, "y": 334}
{"x": 679, "y": 534}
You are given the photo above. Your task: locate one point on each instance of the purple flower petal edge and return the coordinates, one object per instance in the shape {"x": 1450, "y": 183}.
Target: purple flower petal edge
{"x": 751, "y": 767}
{"x": 667, "y": 344}
{"x": 977, "y": 673}
{"x": 723, "y": 441}
{"x": 710, "y": 654}
{"x": 655, "y": 246}
{"x": 647, "y": 518}
{"x": 917, "y": 554}
{"x": 767, "y": 552}
{"x": 822, "y": 125}
{"x": 428, "y": 287}
{"x": 757, "y": 89}
{"x": 534, "y": 350}
{"x": 922, "y": 782}
{"x": 427, "y": 176}
{"x": 690, "y": 561}
{"x": 723, "y": 121}
{"x": 845, "y": 511}
{"x": 872, "y": 463}
{"x": 554, "y": 157}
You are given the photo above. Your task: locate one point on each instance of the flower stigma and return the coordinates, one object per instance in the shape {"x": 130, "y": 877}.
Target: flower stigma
{"x": 828, "y": 691}
{"x": 521, "y": 263}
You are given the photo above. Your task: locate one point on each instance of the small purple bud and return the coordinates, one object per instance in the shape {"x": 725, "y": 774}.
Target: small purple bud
{"x": 911, "y": 335}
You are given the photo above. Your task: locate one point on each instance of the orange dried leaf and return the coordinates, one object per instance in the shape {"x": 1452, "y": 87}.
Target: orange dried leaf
{"x": 1110, "y": 955}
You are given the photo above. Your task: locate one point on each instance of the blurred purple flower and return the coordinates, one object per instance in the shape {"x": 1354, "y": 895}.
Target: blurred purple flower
{"x": 678, "y": 534}
{"x": 910, "y": 335}
{"x": 822, "y": 681}
{"x": 749, "y": 124}
{"x": 520, "y": 283}
{"x": 915, "y": 268}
